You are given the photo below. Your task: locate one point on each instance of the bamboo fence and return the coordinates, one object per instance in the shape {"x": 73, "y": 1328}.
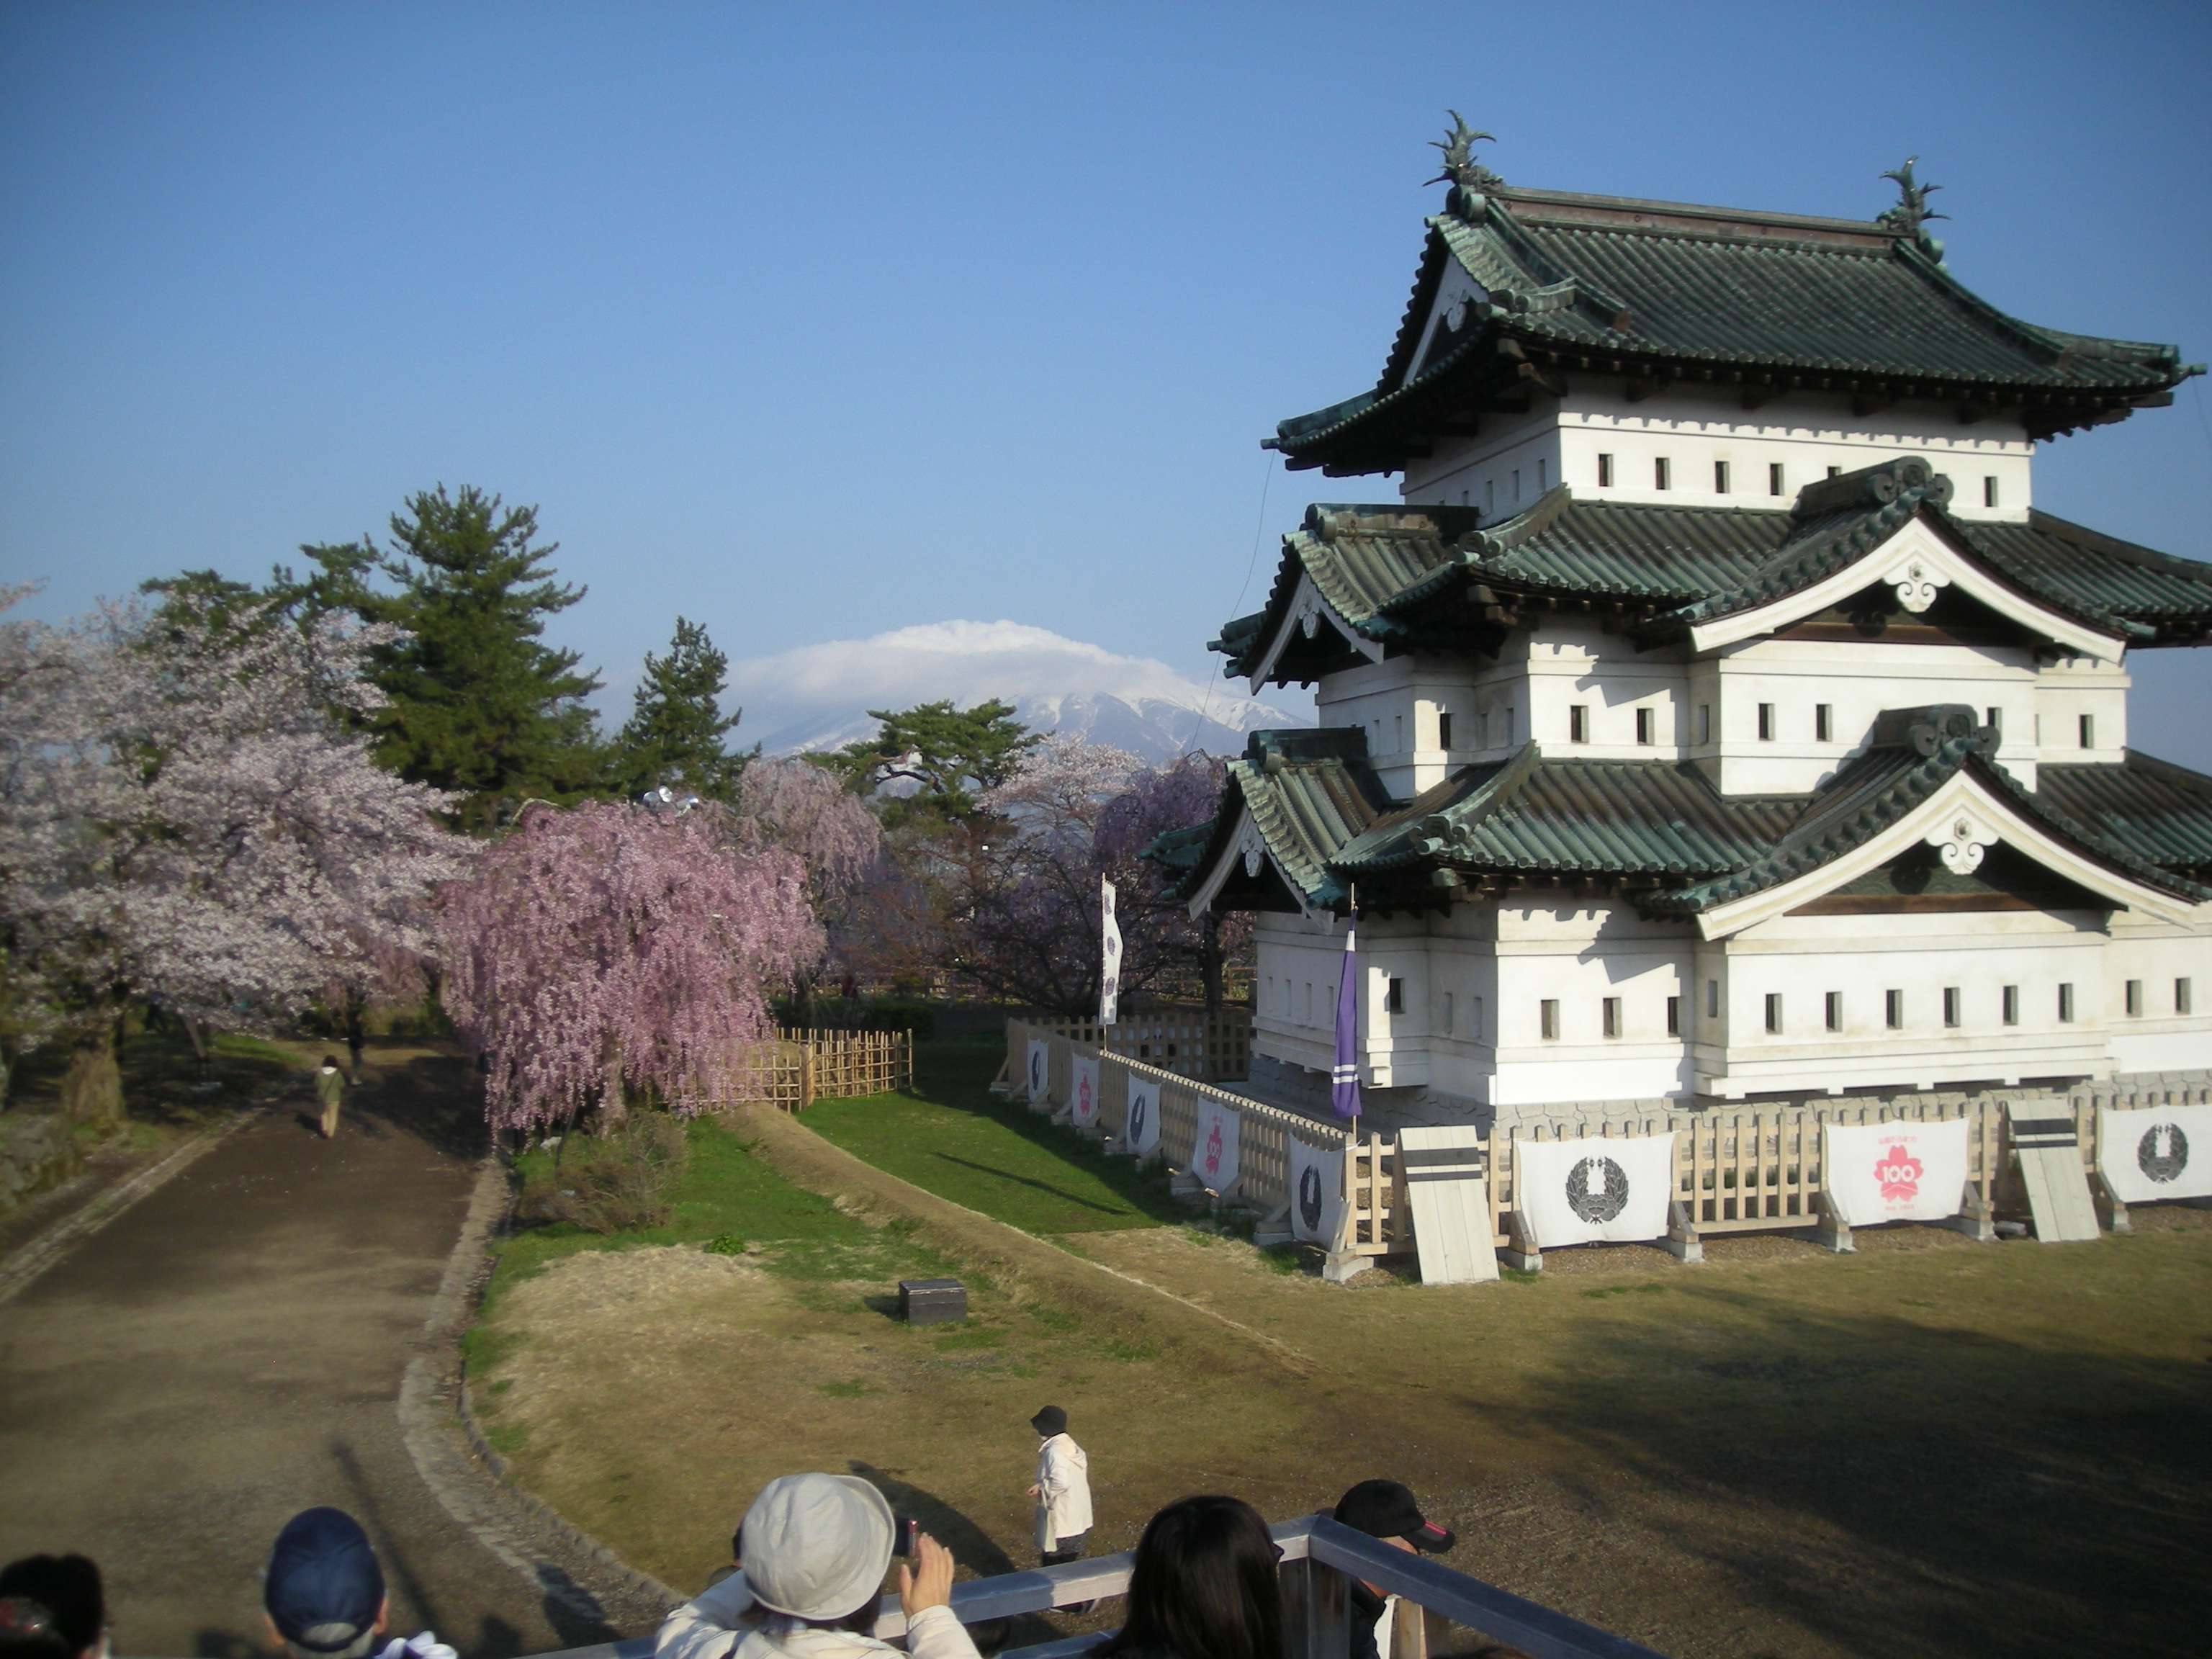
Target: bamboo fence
{"x": 796, "y": 1068}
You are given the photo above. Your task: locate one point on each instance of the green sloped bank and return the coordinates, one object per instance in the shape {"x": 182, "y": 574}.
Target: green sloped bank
{"x": 949, "y": 1135}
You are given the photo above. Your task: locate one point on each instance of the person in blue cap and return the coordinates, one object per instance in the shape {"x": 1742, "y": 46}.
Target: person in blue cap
{"x": 324, "y": 1592}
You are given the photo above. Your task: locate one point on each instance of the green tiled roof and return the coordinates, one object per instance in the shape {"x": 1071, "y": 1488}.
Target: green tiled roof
{"x": 1536, "y": 813}
{"x": 1600, "y": 284}
{"x": 1401, "y": 575}
{"x": 2161, "y": 810}
{"x": 1663, "y": 825}
{"x": 1309, "y": 792}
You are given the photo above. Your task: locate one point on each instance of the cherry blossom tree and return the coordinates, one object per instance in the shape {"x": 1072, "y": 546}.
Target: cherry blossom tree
{"x": 808, "y": 810}
{"x": 183, "y": 820}
{"x": 603, "y": 949}
{"x": 1160, "y": 938}
{"x": 1020, "y": 904}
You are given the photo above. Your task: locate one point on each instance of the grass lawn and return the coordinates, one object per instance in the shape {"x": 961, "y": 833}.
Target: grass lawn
{"x": 727, "y": 1199}
{"x": 1931, "y": 1447}
{"x": 950, "y": 1136}
{"x": 163, "y": 1084}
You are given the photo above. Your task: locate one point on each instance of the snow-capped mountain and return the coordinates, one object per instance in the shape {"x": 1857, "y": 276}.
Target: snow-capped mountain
{"x": 1154, "y": 729}
{"x": 816, "y": 697}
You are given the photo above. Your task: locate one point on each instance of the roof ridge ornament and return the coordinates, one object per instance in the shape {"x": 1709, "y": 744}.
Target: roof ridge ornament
{"x": 1468, "y": 178}
{"x": 1910, "y": 215}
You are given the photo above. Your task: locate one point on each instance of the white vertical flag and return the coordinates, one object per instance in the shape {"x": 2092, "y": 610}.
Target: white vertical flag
{"x": 1110, "y": 976}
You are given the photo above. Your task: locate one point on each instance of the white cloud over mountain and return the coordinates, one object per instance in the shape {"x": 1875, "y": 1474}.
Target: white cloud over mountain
{"x": 817, "y": 697}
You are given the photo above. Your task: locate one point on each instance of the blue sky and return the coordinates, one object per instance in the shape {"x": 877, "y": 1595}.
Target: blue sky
{"x": 814, "y": 322}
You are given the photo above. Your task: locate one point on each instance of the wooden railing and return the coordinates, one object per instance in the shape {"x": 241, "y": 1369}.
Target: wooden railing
{"x": 798, "y": 1067}
{"x": 1321, "y": 1559}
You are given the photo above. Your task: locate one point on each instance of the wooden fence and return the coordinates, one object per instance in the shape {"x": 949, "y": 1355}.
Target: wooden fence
{"x": 1737, "y": 1169}
{"x": 799, "y": 1067}
{"x": 1752, "y": 1169}
{"x": 1212, "y": 1047}
{"x": 1379, "y": 1222}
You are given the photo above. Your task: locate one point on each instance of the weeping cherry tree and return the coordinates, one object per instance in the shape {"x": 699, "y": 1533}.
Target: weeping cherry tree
{"x": 603, "y": 949}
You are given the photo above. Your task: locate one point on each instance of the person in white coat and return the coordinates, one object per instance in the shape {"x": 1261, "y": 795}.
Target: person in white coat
{"x": 815, "y": 1548}
{"x": 1062, "y": 1492}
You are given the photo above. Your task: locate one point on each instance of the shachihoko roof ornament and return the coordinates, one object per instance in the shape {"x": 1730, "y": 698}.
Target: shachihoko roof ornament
{"x": 1467, "y": 176}
{"x": 1913, "y": 212}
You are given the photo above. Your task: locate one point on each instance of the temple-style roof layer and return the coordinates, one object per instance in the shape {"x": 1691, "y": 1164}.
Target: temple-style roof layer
{"x": 1427, "y": 576}
{"x": 1660, "y": 828}
{"x": 2162, "y": 811}
{"x": 1663, "y": 291}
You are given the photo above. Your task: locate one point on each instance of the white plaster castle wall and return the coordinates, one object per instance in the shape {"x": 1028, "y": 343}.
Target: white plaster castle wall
{"x": 1857, "y": 681}
{"x": 1802, "y": 959}
{"x": 2068, "y": 690}
{"x": 1474, "y": 983}
{"x": 1398, "y": 701}
{"x": 1805, "y": 433}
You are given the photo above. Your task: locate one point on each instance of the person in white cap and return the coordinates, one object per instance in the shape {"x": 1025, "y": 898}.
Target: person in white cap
{"x": 815, "y": 1548}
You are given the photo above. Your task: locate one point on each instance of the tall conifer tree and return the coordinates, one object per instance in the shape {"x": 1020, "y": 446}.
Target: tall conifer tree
{"x": 676, "y": 734}
{"x": 479, "y": 703}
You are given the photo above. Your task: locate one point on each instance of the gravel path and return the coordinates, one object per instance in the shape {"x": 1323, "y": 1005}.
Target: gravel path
{"x": 232, "y": 1349}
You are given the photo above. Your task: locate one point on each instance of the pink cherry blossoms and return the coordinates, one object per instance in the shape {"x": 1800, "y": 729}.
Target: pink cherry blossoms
{"x": 603, "y": 948}
{"x": 183, "y": 819}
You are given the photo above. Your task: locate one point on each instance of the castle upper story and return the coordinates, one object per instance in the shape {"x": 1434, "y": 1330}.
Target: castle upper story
{"x": 1688, "y": 484}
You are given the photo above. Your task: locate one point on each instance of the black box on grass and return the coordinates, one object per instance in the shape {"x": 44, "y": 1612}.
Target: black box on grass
{"x": 932, "y": 1301}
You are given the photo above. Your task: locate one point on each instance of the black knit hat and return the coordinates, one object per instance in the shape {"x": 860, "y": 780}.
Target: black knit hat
{"x": 1385, "y": 1509}
{"x": 1050, "y": 1421}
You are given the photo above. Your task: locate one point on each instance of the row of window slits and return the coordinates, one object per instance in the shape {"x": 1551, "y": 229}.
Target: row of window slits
{"x": 1770, "y": 724}
{"x": 1611, "y": 1023}
{"x": 1663, "y": 478}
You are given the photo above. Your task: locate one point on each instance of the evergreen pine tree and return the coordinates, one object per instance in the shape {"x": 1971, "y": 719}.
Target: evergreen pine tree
{"x": 675, "y": 735}
{"x": 479, "y": 703}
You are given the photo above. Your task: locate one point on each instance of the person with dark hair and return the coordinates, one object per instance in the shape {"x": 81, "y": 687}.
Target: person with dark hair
{"x": 813, "y": 1549}
{"x": 51, "y": 1607}
{"x": 1386, "y": 1511}
{"x": 1204, "y": 1585}
{"x": 322, "y": 1595}
{"x": 330, "y": 1085}
{"x": 1062, "y": 1491}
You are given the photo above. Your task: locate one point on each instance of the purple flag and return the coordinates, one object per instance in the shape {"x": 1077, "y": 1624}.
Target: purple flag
{"x": 1344, "y": 1081}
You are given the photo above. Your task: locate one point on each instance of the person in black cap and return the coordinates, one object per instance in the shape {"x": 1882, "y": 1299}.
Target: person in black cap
{"x": 324, "y": 1592}
{"x": 51, "y": 1608}
{"x": 1384, "y": 1510}
{"x": 1062, "y": 1492}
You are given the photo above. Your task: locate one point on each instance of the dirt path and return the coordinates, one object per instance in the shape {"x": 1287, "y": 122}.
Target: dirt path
{"x": 229, "y": 1351}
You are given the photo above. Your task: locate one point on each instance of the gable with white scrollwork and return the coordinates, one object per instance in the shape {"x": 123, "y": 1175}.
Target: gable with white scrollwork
{"x": 1918, "y": 563}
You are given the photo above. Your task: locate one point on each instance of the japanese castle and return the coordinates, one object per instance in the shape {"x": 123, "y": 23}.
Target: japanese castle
{"x": 1713, "y": 717}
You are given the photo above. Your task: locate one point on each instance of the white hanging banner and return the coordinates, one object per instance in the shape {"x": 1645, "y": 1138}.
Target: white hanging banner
{"x": 1573, "y": 1192}
{"x": 1109, "y": 966}
{"x": 2159, "y": 1151}
{"x": 1316, "y": 1191}
{"x": 1141, "y": 1127}
{"x": 1213, "y": 1152}
{"x": 1877, "y": 1172}
{"x": 1083, "y": 1091}
{"x": 1039, "y": 1076}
